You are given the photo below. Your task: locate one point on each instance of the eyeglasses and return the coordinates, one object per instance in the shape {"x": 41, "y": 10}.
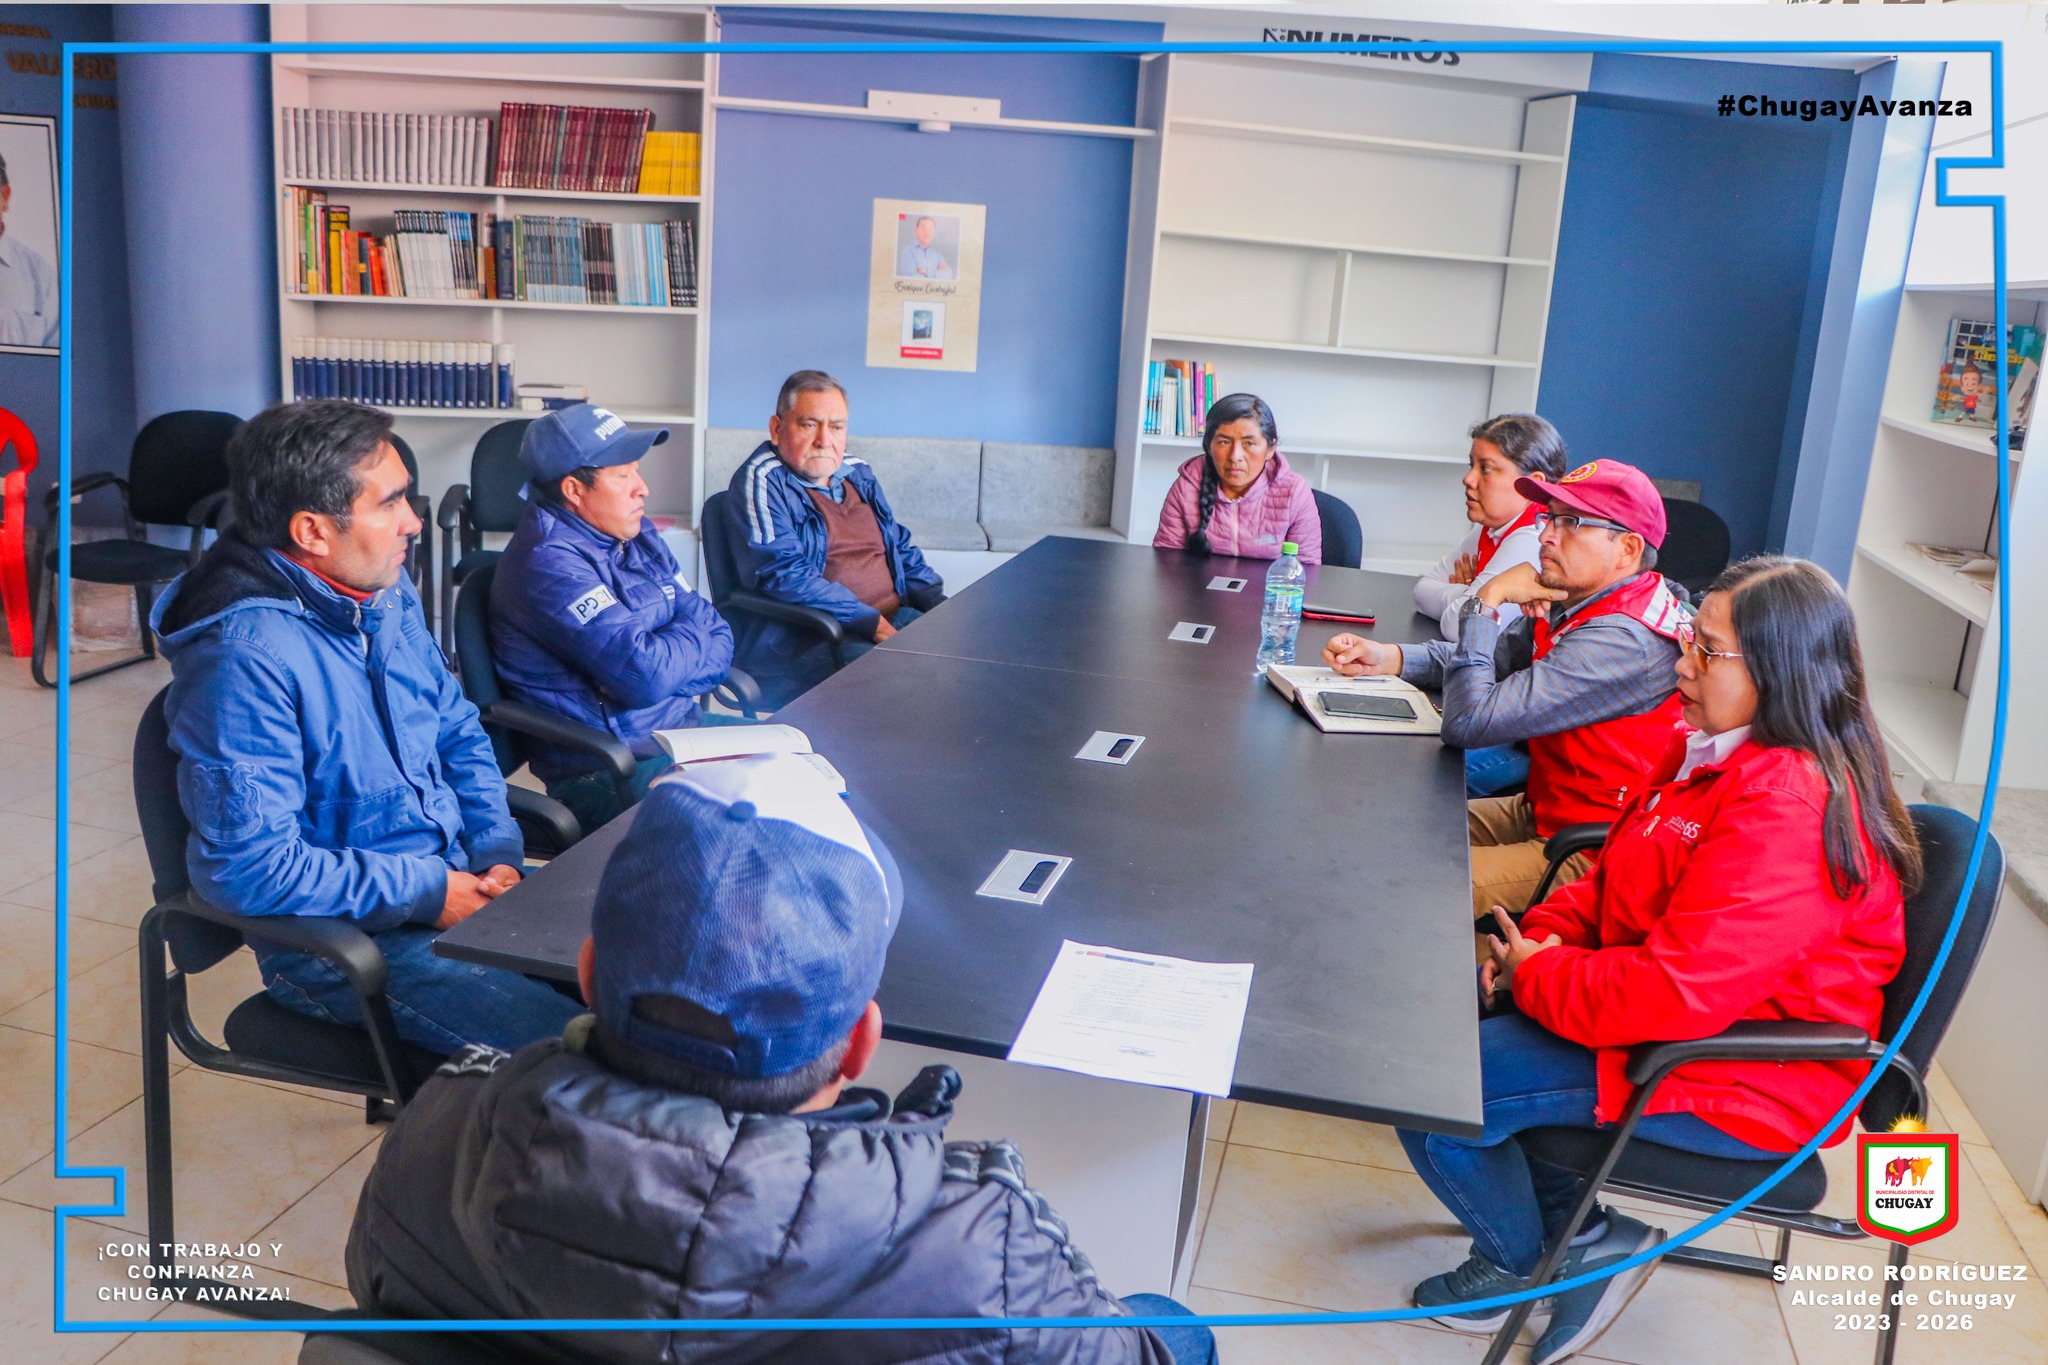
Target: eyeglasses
{"x": 1567, "y": 522}
{"x": 1689, "y": 641}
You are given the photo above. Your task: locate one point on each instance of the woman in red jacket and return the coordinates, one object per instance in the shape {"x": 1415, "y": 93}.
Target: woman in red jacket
{"x": 1759, "y": 875}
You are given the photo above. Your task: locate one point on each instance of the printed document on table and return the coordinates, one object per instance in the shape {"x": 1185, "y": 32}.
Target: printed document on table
{"x": 1138, "y": 1017}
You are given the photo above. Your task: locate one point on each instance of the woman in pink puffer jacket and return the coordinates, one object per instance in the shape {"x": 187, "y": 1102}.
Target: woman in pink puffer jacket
{"x": 1238, "y": 497}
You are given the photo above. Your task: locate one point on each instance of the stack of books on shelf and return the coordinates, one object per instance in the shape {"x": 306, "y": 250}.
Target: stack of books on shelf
{"x": 404, "y": 374}
{"x": 571, "y": 147}
{"x": 444, "y": 254}
{"x": 1177, "y": 397}
{"x": 673, "y": 163}
{"x": 1978, "y": 568}
{"x": 402, "y": 149}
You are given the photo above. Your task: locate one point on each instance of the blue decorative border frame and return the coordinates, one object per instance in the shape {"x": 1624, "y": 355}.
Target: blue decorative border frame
{"x": 1993, "y": 49}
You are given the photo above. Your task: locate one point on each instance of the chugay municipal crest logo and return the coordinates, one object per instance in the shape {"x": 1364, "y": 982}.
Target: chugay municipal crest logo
{"x": 1906, "y": 1184}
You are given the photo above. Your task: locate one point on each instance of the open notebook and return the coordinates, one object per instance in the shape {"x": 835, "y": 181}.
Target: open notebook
{"x": 1308, "y": 688}
{"x": 709, "y": 743}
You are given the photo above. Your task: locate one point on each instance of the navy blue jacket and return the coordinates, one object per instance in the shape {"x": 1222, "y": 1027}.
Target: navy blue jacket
{"x": 547, "y": 1185}
{"x": 778, "y": 538}
{"x": 602, "y": 630}
{"x": 327, "y": 759}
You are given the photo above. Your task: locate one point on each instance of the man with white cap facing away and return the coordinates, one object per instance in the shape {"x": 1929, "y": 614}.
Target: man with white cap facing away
{"x": 694, "y": 1149}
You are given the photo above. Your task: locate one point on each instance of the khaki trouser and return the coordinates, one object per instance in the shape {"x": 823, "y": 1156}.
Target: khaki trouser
{"x": 1507, "y": 856}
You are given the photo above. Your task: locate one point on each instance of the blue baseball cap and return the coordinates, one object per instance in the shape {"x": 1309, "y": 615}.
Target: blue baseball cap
{"x": 583, "y": 434}
{"x": 747, "y": 888}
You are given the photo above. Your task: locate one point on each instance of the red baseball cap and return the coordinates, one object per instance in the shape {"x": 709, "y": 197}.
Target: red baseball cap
{"x": 1606, "y": 489}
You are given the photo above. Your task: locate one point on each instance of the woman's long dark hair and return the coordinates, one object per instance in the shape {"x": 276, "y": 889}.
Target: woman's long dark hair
{"x": 1222, "y": 412}
{"x": 1797, "y": 635}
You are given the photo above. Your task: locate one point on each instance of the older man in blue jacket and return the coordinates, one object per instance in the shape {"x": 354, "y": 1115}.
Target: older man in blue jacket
{"x": 327, "y": 760}
{"x": 590, "y": 614}
{"x": 809, "y": 525}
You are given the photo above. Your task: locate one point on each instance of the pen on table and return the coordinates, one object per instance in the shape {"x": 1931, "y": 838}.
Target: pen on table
{"x": 1347, "y": 617}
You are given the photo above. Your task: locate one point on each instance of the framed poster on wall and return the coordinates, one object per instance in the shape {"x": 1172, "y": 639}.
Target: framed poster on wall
{"x": 924, "y": 284}
{"x": 28, "y": 234}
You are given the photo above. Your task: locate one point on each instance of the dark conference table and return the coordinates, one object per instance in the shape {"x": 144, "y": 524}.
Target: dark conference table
{"x": 1238, "y": 832}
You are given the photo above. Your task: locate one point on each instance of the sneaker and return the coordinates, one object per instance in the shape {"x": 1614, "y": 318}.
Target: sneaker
{"x": 1579, "y": 1316}
{"x": 1478, "y": 1278}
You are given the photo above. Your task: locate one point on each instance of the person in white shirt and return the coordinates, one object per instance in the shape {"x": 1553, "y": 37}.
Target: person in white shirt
{"x": 28, "y": 284}
{"x": 1504, "y": 534}
{"x": 920, "y": 259}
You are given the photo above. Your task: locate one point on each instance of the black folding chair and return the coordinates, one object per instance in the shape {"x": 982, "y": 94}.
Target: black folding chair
{"x": 1696, "y": 544}
{"x": 489, "y": 502}
{"x": 183, "y": 935}
{"x": 1607, "y": 1159}
{"x": 177, "y": 476}
{"x": 419, "y": 560}
{"x": 514, "y": 725}
{"x": 738, "y": 604}
{"x": 1343, "y": 538}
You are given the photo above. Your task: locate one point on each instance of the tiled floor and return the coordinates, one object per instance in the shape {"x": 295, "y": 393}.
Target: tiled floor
{"x": 1299, "y": 1212}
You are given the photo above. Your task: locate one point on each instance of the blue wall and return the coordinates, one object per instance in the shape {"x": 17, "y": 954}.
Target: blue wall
{"x": 202, "y": 256}
{"x": 102, "y": 372}
{"x": 1685, "y": 311}
{"x": 794, "y": 202}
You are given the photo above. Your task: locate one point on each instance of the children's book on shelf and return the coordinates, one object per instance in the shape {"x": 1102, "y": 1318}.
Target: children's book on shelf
{"x": 1178, "y": 395}
{"x": 1974, "y": 378}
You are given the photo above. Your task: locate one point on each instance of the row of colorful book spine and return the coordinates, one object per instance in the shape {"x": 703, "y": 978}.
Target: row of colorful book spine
{"x": 404, "y": 374}
{"x": 1178, "y": 395}
{"x": 397, "y": 149}
{"x": 448, "y": 254}
{"x": 571, "y": 147}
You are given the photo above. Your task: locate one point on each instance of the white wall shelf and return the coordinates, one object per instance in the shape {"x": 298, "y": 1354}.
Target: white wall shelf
{"x": 855, "y": 111}
{"x": 375, "y": 71}
{"x": 1922, "y": 721}
{"x": 1353, "y": 248}
{"x": 1384, "y": 286}
{"x": 1361, "y": 352}
{"x": 501, "y": 305}
{"x": 1948, "y": 433}
{"x": 493, "y": 191}
{"x": 649, "y": 365}
{"x": 1332, "y": 138}
{"x": 1950, "y": 589}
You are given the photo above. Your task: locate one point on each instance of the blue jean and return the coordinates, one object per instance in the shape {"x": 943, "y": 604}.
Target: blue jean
{"x": 1490, "y": 771}
{"x": 1193, "y": 1345}
{"x": 436, "y": 1002}
{"x": 1531, "y": 1078}
{"x": 785, "y": 676}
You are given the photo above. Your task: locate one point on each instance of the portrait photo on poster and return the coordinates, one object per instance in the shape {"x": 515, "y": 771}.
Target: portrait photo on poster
{"x": 927, "y": 246}
{"x": 29, "y": 277}
{"x": 924, "y": 329}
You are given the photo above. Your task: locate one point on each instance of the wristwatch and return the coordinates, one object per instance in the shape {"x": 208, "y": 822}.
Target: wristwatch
{"x": 1475, "y": 606}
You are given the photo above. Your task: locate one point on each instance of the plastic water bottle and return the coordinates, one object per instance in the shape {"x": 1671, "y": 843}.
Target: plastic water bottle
{"x": 1280, "y": 622}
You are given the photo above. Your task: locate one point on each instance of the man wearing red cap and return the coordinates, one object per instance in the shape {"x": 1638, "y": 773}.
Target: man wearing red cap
{"x": 1589, "y": 682}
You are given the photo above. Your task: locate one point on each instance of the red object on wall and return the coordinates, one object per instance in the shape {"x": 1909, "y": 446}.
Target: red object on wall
{"x": 13, "y": 531}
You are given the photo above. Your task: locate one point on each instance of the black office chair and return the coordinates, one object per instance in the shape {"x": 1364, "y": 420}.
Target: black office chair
{"x": 489, "y": 502}
{"x": 419, "y": 560}
{"x": 182, "y": 936}
{"x": 1343, "y": 538}
{"x": 1608, "y": 1160}
{"x": 1696, "y": 544}
{"x": 721, "y": 575}
{"x": 178, "y": 461}
{"x": 513, "y": 725}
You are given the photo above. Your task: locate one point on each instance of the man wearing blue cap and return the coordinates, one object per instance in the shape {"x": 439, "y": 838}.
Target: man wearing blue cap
{"x": 809, "y": 526}
{"x": 328, "y": 762}
{"x": 692, "y": 1149}
{"x": 590, "y": 614}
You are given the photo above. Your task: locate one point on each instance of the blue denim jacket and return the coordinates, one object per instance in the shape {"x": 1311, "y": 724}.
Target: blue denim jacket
{"x": 327, "y": 759}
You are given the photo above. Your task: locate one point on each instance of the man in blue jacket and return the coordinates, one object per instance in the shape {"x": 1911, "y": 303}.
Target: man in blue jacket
{"x": 809, "y": 525}
{"x": 590, "y": 614}
{"x": 327, "y": 760}
{"x": 695, "y": 1148}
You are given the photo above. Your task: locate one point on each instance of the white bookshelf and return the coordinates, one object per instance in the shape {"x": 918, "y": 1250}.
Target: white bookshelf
{"x": 1370, "y": 252}
{"x": 647, "y": 364}
{"x": 1930, "y": 636}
